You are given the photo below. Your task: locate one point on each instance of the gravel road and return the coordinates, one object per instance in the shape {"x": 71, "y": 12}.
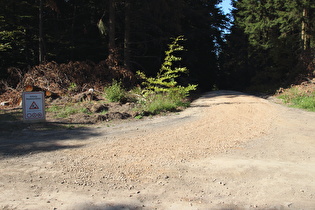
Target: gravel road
{"x": 229, "y": 150}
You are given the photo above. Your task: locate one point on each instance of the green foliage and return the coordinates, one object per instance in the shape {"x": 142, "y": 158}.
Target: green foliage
{"x": 101, "y": 27}
{"x": 165, "y": 80}
{"x": 162, "y": 93}
{"x": 67, "y": 110}
{"x": 115, "y": 92}
{"x": 163, "y": 102}
{"x": 5, "y": 40}
{"x": 139, "y": 117}
{"x": 70, "y": 32}
{"x": 72, "y": 86}
{"x": 17, "y": 34}
{"x": 266, "y": 23}
{"x": 265, "y": 47}
{"x": 299, "y": 99}
{"x": 160, "y": 103}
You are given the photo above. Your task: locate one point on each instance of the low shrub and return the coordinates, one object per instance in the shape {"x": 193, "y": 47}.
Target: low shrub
{"x": 115, "y": 92}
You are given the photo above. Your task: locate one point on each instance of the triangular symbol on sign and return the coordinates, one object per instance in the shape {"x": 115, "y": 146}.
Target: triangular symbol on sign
{"x": 34, "y": 106}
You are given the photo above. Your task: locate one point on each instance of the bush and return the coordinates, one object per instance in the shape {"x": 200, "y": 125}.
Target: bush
{"x": 115, "y": 92}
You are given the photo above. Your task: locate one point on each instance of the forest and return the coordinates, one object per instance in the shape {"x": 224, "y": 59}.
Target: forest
{"x": 261, "y": 46}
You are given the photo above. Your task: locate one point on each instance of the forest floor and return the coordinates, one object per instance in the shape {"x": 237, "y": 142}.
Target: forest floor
{"x": 229, "y": 150}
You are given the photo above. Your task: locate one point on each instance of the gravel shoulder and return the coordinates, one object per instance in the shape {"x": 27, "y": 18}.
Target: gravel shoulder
{"x": 228, "y": 150}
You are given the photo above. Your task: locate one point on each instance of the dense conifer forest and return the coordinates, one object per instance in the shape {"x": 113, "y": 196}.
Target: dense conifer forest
{"x": 261, "y": 46}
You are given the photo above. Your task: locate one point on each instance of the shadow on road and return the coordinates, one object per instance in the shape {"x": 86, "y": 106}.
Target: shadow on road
{"x": 226, "y": 93}
{"x": 21, "y": 138}
{"x": 107, "y": 207}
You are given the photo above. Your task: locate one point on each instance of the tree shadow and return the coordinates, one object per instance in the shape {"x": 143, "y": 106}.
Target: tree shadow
{"x": 11, "y": 115}
{"x": 227, "y": 93}
{"x": 107, "y": 207}
{"x": 92, "y": 206}
{"x": 18, "y": 138}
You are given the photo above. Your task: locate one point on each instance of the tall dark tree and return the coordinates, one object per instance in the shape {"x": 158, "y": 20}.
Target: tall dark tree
{"x": 203, "y": 26}
{"x": 306, "y": 24}
{"x": 18, "y": 34}
{"x": 41, "y": 53}
{"x": 275, "y": 40}
{"x": 112, "y": 26}
{"x": 154, "y": 22}
{"x": 138, "y": 31}
{"x": 127, "y": 34}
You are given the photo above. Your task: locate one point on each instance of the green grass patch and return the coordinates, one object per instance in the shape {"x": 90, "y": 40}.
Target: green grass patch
{"x": 66, "y": 111}
{"x": 157, "y": 103}
{"x": 299, "y": 99}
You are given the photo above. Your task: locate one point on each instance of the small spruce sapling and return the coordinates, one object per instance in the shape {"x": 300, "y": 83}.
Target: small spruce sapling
{"x": 165, "y": 82}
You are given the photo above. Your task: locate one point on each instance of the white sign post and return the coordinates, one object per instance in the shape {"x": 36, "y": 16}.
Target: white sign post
{"x": 33, "y": 106}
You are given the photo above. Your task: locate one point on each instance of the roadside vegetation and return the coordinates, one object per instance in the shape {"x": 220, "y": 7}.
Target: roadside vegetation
{"x": 162, "y": 92}
{"x": 115, "y": 101}
{"x": 302, "y": 97}
{"x": 67, "y": 110}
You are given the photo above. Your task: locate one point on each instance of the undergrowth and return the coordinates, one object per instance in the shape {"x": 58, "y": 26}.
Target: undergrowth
{"x": 299, "y": 99}
{"x": 161, "y": 93}
{"x": 165, "y": 102}
{"x": 67, "y": 110}
{"x": 115, "y": 92}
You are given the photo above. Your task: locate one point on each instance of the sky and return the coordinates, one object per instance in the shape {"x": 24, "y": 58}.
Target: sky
{"x": 226, "y": 6}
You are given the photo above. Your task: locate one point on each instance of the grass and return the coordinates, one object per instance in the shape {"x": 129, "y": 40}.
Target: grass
{"x": 158, "y": 103}
{"x": 299, "y": 99}
{"x": 66, "y": 111}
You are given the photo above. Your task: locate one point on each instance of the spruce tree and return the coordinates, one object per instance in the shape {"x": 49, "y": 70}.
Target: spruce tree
{"x": 273, "y": 29}
{"x": 165, "y": 80}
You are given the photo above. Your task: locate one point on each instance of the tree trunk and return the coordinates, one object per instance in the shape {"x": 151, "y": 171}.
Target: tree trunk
{"x": 111, "y": 59}
{"x": 72, "y": 31}
{"x": 41, "y": 39}
{"x": 112, "y": 21}
{"x": 305, "y": 34}
{"x": 127, "y": 35}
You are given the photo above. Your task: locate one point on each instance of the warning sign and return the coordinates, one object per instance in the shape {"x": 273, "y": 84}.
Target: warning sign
{"x": 33, "y": 106}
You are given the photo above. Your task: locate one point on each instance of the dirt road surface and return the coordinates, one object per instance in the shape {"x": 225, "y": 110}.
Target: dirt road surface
{"x": 228, "y": 150}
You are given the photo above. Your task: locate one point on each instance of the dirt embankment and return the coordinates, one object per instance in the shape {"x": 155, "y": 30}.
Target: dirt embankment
{"x": 228, "y": 150}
